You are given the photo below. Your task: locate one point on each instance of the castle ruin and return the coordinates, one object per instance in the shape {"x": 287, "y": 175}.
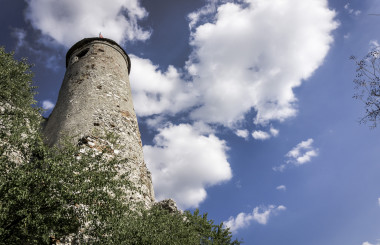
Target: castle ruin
{"x": 95, "y": 96}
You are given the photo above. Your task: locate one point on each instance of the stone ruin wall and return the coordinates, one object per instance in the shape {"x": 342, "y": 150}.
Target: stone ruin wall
{"x": 95, "y": 96}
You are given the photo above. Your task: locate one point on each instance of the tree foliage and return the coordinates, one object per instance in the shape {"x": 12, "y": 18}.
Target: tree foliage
{"x": 48, "y": 194}
{"x": 367, "y": 85}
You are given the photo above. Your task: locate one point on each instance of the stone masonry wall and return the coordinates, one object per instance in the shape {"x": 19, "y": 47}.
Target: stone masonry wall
{"x": 95, "y": 96}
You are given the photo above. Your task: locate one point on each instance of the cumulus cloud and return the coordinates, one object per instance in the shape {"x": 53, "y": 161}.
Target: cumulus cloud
{"x": 281, "y": 188}
{"x": 184, "y": 162}
{"x": 47, "y": 105}
{"x": 70, "y": 20}
{"x": 259, "y": 214}
{"x": 243, "y": 133}
{"x": 253, "y": 53}
{"x": 299, "y": 155}
{"x": 156, "y": 92}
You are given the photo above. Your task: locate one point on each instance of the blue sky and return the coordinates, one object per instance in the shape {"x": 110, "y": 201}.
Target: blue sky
{"x": 245, "y": 107}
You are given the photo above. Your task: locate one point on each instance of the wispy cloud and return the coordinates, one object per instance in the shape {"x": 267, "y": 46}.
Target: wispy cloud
{"x": 368, "y": 243}
{"x": 352, "y": 11}
{"x": 274, "y": 132}
{"x": 374, "y": 44}
{"x": 281, "y": 188}
{"x": 299, "y": 155}
{"x": 20, "y": 35}
{"x": 259, "y": 215}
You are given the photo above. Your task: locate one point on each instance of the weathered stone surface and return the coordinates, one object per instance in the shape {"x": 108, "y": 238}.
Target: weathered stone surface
{"x": 95, "y": 97}
{"x": 169, "y": 205}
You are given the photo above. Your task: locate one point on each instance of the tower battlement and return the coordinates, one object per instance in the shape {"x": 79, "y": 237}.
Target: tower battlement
{"x": 105, "y": 41}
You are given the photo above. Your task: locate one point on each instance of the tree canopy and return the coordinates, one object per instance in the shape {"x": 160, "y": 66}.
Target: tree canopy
{"x": 367, "y": 85}
{"x": 73, "y": 192}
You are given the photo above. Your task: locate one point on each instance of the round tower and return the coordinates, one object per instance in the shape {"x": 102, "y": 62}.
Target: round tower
{"x": 95, "y": 96}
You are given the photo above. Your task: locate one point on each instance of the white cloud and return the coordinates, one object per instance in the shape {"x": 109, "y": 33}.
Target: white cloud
{"x": 242, "y": 133}
{"x": 252, "y": 55}
{"x": 378, "y": 200}
{"x": 351, "y": 10}
{"x": 368, "y": 243}
{"x": 71, "y": 20}
{"x": 260, "y": 135}
{"x": 302, "y": 153}
{"x": 238, "y": 184}
{"x": 279, "y": 168}
{"x": 184, "y": 162}
{"x": 196, "y": 16}
{"x": 20, "y": 35}
{"x": 246, "y": 55}
{"x": 306, "y": 157}
{"x": 281, "y": 188}
{"x": 47, "y": 105}
{"x": 374, "y": 44}
{"x": 299, "y": 155}
{"x": 156, "y": 92}
{"x": 274, "y": 131}
{"x": 203, "y": 128}
{"x": 259, "y": 214}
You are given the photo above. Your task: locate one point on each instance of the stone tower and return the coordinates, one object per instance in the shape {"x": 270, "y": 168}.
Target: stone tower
{"x": 96, "y": 96}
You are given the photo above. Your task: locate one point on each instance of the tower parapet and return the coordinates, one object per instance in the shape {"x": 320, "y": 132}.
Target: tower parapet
{"x": 95, "y": 96}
